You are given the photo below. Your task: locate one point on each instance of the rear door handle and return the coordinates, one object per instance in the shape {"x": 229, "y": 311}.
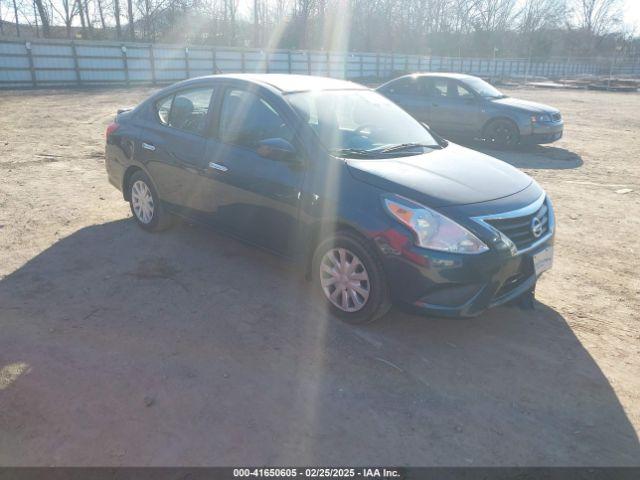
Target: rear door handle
{"x": 217, "y": 166}
{"x": 148, "y": 146}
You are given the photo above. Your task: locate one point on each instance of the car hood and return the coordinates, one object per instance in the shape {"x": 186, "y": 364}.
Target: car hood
{"x": 532, "y": 107}
{"x": 454, "y": 175}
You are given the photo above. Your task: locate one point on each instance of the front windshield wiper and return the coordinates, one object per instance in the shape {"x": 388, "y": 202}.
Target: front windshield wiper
{"x": 353, "y": 151}
{"x": 405, "y": 146}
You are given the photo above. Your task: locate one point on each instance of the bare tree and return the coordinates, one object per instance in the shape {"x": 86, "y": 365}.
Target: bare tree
{"x": 68, "y": 13}
{"x": 598, "y": 16}
{"x": 438, "y": 27}
{"x": 15, "y": 12}
{"x": 116, "y": 16}
{"x": 80, "y": 11}
{"x": 103, "y": 22}
{"x": 230, "y": 15}
{"x": 492, "y": 15}
{"x": 131, "y": 20}
{"x": 44, "y": 17}
{"x": 536, "y": 15}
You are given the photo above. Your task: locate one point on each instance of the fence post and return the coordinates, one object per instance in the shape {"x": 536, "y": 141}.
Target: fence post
{"x": 186, "y": 62}
{"x": 125, "y": 63}
{"x": 76, "y": 65}
{"x": 27, "y": 45}
{"x": 289, "y": 59}
{"x": 152, "y": 62}
{"x": 361, "y": 67}
{"x": 328, "y": 58}
{"x": 309, "y": 61}
{"x": 242, "y": 62}
{"x": 419, "y": 63}
{"x": 214, "y": 60}
{"x": 378, "y": 65}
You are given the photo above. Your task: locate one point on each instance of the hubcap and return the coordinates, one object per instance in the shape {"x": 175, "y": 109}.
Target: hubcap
{"x": 502, "y": 134}
{"x": 344, "y": 280}
{"x": 142, "y": 201}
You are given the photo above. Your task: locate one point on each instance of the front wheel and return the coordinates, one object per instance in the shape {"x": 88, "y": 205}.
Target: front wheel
{"x": 502, "y": 134}
{"x": 350, "y": 277}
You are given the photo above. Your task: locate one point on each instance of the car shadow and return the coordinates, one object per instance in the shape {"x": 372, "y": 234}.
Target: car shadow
{"x": 538, "y": 157}
{"x": 119, "y": 347}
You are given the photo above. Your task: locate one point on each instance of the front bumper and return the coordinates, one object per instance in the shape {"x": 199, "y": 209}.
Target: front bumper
{"x": 458, "y": 285}
{"x": 455, "y": 285}
{"x": 543, "y": 133}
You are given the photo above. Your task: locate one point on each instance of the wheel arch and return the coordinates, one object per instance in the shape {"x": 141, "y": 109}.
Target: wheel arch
{"x": 126, "y": 178}
{"x": 131, "y": 169}
{"x": 322, "y": 230}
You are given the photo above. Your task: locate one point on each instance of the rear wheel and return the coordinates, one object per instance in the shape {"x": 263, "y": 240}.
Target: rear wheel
{"x": 502, "y": 133}
{"x": 349, "y": 276}
{"x": 145, "y": 204}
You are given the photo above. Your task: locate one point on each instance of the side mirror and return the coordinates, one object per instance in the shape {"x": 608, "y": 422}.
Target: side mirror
{"x": 277, "y": 149}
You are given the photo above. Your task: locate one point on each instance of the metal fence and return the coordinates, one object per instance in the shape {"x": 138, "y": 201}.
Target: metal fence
{"x": 50, "y": 63}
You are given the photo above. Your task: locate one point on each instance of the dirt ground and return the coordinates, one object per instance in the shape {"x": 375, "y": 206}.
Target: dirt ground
{"x": 119, "y": 347}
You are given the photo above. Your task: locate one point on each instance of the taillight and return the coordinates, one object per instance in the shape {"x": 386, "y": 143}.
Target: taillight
{"x": 111, "y": 128}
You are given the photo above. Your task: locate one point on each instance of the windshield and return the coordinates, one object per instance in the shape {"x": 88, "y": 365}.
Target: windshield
{"x": 361, "y": 123}
{"x": 483, "y": 88}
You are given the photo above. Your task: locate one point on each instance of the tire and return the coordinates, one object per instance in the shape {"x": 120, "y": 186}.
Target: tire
{"x": 502, "y": 134}
{"x": 146, "y": 207}
{"x": 366, "y": 263}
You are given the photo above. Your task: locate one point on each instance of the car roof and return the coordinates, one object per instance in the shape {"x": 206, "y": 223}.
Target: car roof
{"x": 457, "y": 76}
{"x": 289, "y": 83}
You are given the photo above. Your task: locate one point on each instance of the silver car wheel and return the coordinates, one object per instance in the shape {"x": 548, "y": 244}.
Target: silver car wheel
{"x": 344, "y": 280}
{"x": 142, "y": 201}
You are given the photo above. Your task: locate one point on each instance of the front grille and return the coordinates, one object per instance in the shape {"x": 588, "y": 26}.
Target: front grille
{"x": 520, "y": 229}
{"x": 556, "y": 117}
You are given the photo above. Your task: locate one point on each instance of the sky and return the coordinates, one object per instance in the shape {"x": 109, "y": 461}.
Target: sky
{"x": 632, "y": 13}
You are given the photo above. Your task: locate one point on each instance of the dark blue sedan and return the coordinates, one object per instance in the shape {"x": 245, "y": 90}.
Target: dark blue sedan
{"x": 375, "y": 206}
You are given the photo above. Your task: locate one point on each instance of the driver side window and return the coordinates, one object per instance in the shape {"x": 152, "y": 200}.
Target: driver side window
{"x": 246, "y": 120}
{"x": 457, "y": 90}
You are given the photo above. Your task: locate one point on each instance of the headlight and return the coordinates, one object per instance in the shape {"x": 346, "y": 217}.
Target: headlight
{"x": 540, "y": 118}
{"x": 433, "y": 230}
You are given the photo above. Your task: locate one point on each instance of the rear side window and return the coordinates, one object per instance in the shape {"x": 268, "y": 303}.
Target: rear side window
{"x": 404, "y": 86}
{"x": 186, "y": 110}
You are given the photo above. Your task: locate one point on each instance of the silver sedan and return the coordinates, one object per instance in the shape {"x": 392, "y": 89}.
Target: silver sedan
{"x": 457, "y": 105}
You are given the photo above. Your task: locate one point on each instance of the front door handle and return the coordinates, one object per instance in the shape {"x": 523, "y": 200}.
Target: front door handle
{"x": 217, "y": 166}
{"x": 148, "y": 146}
